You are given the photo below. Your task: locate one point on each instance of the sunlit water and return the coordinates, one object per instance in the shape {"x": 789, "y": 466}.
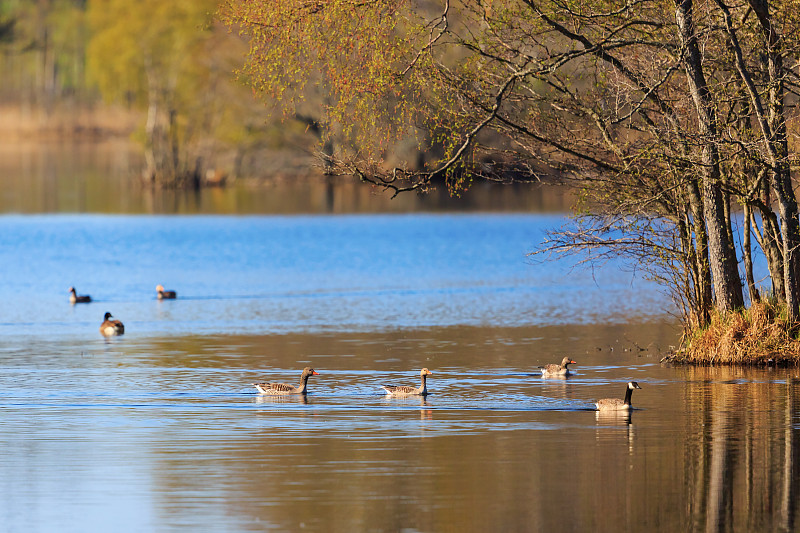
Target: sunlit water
{"x": 161, "y": 430}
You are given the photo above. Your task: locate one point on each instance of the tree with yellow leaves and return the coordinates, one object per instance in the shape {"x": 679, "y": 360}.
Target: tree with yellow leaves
{"x": 154, "y": 54}
{"x": 664, "y": 114}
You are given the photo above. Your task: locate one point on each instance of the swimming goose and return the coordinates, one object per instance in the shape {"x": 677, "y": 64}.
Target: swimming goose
{"x": 558, "y": 370}
{"x": 284, "y": 388}
{"x": 165, "y": 295}
{"x": 75, "y": 299}
{"x": 615, "y": 404}
{"x": 406, "y": 390}
{"x": 111, "y": 327}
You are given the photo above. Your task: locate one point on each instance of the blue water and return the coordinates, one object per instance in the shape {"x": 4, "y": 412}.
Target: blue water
{"x": 161, "y": 429}
{"x": 274, "y": 274}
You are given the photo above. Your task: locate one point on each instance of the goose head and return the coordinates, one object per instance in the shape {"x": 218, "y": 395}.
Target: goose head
{"x": 308, "y": 371}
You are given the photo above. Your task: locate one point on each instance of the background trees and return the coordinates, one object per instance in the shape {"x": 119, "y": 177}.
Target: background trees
{"x": 160, "y": 56}
{"x": 82, "y": 70}
{"x": 668, "y": 116}
{"x": 43, "y": 47}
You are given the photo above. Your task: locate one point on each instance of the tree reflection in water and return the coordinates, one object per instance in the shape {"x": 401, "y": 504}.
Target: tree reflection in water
{"x": 742, "y": 463}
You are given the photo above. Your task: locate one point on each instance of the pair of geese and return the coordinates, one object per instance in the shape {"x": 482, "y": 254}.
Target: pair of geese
{"x": 605, "y": 404}
{"x": 161, "y": 294}
{"x": 391, "y": 390}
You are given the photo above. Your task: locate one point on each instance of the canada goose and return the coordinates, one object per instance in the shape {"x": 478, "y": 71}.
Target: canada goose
{"x": 558, "y": 370}
{"x": 165, "y": 295}
{"x": 111, "y": 327}
{"x": 406, "y": 390}
{"x": 74, "y": 298}
{"x": 283, "y": 388}
{"x": 615, "y": 404}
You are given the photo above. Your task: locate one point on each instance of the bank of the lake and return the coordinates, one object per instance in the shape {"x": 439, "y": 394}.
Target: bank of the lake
{"x": 758, "y": 335}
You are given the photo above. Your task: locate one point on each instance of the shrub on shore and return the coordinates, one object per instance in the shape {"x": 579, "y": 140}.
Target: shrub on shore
{"x": 760, "y": 335}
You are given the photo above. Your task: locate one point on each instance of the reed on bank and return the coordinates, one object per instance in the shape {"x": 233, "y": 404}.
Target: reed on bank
{"x": 759, "y": 335}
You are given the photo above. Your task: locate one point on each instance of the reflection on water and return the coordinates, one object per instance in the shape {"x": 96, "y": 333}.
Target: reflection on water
{"x": 743, "y": 463}
{"x": 165, "y": 433}
{"x": 273, "y": 399}
{"x": 160, "y": 429}
{"x": 613, "y": 418}
{"x": 102, "y": 178}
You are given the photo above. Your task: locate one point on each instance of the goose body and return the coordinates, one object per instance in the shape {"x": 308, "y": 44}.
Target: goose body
{"x": 285, "y": 388}
{"x": 558, "y": 370}
{"x": 165, "y": 295}
{"x": 406, "y": 390}
{"x": 74, "y": 298}
{"x": 111, "y": 327}
{"x": 615, "y": 404}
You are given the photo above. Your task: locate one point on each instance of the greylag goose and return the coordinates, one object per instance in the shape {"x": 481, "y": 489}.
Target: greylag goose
{"x": 558, "y": 370}
{"x": 285, "y": 388}
{"x": 406, "y": 390}
{"x": 111, "y": 327}
{"x": 615, "y": 404}
{"x": 165, "y": 295}
{"x": 74, "y": 298}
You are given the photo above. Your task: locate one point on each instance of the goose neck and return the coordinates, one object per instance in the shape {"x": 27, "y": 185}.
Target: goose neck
{"x": 628, "y": 394}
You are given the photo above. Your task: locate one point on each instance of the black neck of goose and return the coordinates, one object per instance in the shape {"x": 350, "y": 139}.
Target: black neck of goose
{"x": 424, "y": 376}
{"x": 628, "y": 394}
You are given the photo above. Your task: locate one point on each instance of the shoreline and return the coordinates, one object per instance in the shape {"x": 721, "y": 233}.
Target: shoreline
{"x": 66, "y": 122}
{"x": 757, "y": 336}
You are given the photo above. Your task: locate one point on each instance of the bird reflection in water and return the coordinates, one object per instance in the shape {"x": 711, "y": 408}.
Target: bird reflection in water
{"x": 281, "y": 399}
{"x": 425, "y": 412}
{"x": 614, "y": 426}
{"x": 613, "y": 418}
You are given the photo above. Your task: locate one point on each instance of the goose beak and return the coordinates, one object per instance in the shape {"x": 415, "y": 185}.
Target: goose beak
{"x": 315, "y": 373}
{"x": 573, "y": 363}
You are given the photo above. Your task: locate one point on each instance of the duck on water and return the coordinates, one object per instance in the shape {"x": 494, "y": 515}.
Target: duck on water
{"x": 111, "y": 327}
{"x": 75, "y": 298}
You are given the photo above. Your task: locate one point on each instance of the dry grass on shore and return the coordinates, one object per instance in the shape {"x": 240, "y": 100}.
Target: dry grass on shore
{"x": 760, "y": 335}
{"x": 66, "y": 122}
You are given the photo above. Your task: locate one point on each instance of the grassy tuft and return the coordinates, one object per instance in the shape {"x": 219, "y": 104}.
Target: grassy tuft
{"x": 759, "y": 335}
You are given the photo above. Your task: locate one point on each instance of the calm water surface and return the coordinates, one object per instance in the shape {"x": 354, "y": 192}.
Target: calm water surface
{"x": 161, "y": 430}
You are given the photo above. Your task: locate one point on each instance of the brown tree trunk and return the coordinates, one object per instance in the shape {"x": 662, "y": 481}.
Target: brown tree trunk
{"x": 722, "y": 259}
{"x": 704, "y": 291}
{"x": 773, "y": 128}
{"x": 151, "y": 131}
{"x": 770, "y": 243}
{"x": 781, "y": 176}
{"x": 748, "y": 256}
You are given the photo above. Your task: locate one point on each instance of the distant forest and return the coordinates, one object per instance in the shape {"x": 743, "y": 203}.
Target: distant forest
{"x": 163, "y": 73}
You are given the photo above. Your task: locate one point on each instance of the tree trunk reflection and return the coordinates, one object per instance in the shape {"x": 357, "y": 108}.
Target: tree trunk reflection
{"x": 739, "y": 472}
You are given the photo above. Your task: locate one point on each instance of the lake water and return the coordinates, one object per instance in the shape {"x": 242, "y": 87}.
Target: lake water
{"x": 161, "y": 430}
